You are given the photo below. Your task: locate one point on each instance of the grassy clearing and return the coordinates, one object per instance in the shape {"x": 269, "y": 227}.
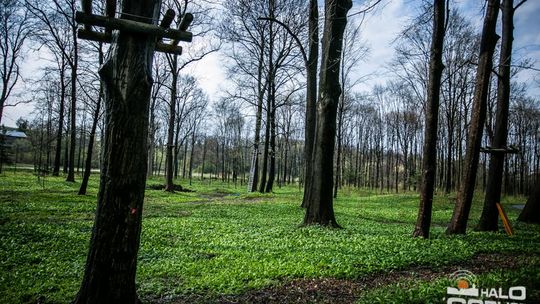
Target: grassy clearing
{"x": 219, "y": 240}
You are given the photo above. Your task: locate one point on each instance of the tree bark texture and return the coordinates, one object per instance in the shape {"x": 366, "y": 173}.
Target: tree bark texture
{"x": 73, "y": 141}
{"x": 341, "y": 106}
{"x": 311, "y": 94}
{"x": 531, "y": 212}
{"x": 429, "y": 160}
{"x": 489, "y": 218}
{"x": 88, "y": 161}
{"x": 91, "y": 140}
{"x": 320, "y": 208}
{"x": 460, "y": 216}
{"x": 254, "y": 171}
{"x": 169, "y": 159}
{"x": 58, "y": 151}
{"x": 126, "y": 75}
{"x": 264, "y": 168}
{"x": 272, "y": 152}
{"x": 270, "y": 144}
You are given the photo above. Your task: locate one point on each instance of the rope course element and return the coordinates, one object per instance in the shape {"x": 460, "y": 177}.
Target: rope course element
{"x": 109, "y": 22}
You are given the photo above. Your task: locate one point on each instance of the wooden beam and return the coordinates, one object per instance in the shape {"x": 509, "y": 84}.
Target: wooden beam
{"x": 169, "y": 48}
{"x": 86, "y": 6}
{"x": 509, "y": 150}
{"x": 110, "y": 11}
{"x": 132, "y": 26}
{"x": 167, "y": 19}
{"x": 184, "y": 24}
{"x": 107, "y": 38}
{"x": 94, "y": 36}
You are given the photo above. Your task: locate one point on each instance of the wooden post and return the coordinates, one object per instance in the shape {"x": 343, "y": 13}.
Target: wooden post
{"x": 505, "y": 220}
{"x": 110, "y": 11}
{"x": 167, "y": 19}
{"x": 87, "y": 9}
{"x": 184, "y": 24}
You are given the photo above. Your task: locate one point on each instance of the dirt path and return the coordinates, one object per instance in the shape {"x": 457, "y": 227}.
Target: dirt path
{"x": 330, "y": 290}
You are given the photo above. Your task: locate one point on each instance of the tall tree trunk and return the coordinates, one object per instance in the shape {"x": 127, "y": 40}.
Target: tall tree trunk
{"x": 269, "y": 147}
{"x": 169, "y": 158}
{"x": 66, "y": 146}
{"x": 265, "y": 150}
{"x": 254, "y": 170}
{"x": 184, "y": 158}
{"x": 73, "y": 141}
{"x": 3, "y": 99}
{"x": 531, "y": 212}
{"x": 89, "y": 152}
{"x": 405, "y": 167}
{"x": 357, "y": 154}
{"x": 286, "y": 159}
{"x": 339, "y": 139}
{"x": 448, "y": 184}
{"x": 82, "y": 142}
{"x": 311, "y": 95}
{"x": 388, "y": 169}
{"x": 112, "y": 258}
{"x": 396, "y": 171}
{"x": 203, "y": 158}
{"x": 58, "y": 151}
{"x": 489, "y": 217}
{"x": 429, "y": 159}
{"x": 223, "y": 176}
{"x": 177, "y": 145}
{"x": 191, "y": 156}
{"x": 88, "y": 162}
{"x": 151, "y": 136}
{"x": 272, "y": 153}
{"x": 49, "y": 128}
{"x": 160, "y": 157}
{"x": 460, "y": 216}
{"x": 320, "y": 208}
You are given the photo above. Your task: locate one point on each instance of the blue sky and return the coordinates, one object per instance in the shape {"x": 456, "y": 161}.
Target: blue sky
{"x": 383, "y": 26}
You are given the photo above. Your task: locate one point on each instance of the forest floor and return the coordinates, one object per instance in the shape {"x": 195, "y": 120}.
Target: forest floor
{"x": 219, "y": 244}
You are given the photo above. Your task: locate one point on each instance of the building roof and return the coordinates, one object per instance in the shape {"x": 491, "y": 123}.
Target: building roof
{"x": 15, "y": 134}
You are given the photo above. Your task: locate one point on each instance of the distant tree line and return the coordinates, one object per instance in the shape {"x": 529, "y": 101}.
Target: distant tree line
{"x": 254, "y": 133}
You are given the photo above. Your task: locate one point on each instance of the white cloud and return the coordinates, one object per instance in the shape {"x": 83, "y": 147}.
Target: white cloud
{"x": 29, "y": 68}
{"x": 379, "y": 30}
{"x": 210, "y": 73}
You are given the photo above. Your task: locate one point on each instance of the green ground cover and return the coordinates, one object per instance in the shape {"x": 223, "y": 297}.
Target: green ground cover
{"x": 219, "y": 240}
